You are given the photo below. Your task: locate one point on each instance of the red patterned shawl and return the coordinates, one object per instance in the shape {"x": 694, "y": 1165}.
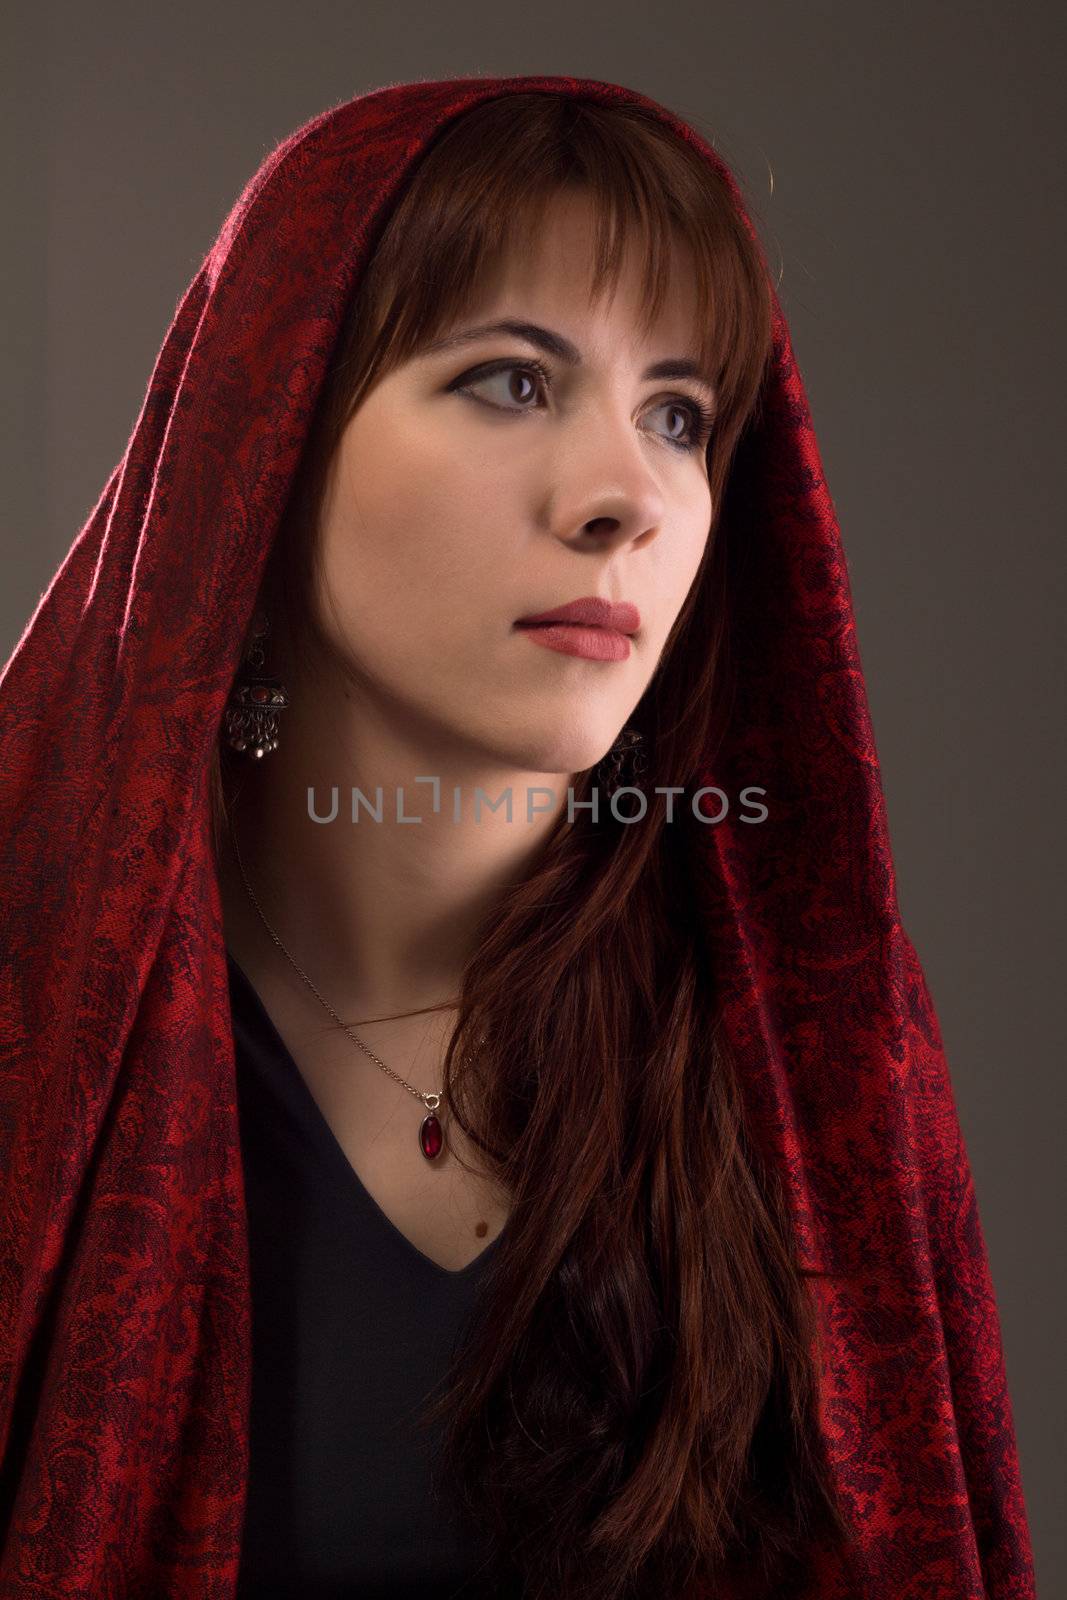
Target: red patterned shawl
{"x": 124, "y": 1291}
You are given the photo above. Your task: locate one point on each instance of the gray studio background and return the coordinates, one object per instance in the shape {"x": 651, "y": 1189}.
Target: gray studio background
{"x": 903, "y": 163}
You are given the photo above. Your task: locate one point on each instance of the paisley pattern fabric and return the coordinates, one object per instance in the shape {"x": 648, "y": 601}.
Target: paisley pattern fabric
{"x": 124, "y": 1292}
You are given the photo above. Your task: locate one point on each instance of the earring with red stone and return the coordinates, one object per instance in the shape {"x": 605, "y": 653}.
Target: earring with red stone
{"x": 255, "y": 700}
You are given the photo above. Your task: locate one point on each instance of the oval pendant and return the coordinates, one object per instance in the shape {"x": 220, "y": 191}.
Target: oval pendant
{"x": 431, "y": 1138}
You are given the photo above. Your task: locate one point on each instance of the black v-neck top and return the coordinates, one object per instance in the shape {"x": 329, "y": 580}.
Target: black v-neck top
{"x": 352, "y": 1328}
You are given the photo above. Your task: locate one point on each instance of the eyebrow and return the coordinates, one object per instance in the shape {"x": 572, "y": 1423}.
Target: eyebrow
{"x": 554, "y": 344}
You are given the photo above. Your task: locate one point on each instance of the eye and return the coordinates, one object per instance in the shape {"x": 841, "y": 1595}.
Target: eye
{"x": 532, "y": 373}
{"x": 528, "y": 373}
{"x": 700, "y": 424}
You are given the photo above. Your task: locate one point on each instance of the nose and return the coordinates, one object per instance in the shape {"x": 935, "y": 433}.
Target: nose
{"x": 606, "y": 491}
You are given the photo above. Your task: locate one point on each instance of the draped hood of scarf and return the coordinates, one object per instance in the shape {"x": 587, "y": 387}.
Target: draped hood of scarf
{"x": 124, "y": 1278}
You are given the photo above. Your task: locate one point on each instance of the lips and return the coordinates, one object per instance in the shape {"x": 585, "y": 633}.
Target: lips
{"x": 591, "y": 611}
{"x": 575, "y": 639}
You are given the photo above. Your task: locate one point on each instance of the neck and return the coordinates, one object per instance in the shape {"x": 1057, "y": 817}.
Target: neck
{"x": 382, "y": 916}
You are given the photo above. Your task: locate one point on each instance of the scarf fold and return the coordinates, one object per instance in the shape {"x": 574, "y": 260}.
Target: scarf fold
{"x": 124, "y": 1291}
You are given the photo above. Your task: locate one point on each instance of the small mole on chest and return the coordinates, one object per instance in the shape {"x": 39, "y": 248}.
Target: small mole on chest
{"x": 481, "y": 1229}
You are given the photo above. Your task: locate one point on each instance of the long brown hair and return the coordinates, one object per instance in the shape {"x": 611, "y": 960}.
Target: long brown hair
{"x": 634, "y": 1407}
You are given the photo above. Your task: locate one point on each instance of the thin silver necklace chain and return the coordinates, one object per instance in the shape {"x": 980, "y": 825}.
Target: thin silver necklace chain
{"x": 430, "y": 1100}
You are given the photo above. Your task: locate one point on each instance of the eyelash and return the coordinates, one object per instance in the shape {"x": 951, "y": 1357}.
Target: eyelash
{"x": 703, "y": 417}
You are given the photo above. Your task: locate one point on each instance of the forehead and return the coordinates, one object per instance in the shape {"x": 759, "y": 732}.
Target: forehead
{"x": 551, "y": 271}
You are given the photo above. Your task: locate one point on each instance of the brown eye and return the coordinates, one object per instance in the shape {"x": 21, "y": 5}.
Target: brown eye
{"x": 519, "y": 384}
{"x": 522, "y": 378}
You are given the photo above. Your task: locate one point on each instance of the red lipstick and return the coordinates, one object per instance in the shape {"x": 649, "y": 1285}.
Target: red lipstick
{"x": 592, "y": 627}
{"x": 619, "y": 615}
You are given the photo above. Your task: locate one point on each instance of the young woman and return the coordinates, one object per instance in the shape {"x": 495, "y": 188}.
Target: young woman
{"x": 473, "y": 1121}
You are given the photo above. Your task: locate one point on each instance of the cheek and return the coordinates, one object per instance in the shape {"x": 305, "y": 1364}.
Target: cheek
{"x": 404, "y": 564}
{"x": 683, "y": 559}
{"x": 700, "y": 553}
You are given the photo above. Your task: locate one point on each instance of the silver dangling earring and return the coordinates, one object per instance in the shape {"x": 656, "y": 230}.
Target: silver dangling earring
{"x": 255, "y": 700}
{"x": 625, "y": 762}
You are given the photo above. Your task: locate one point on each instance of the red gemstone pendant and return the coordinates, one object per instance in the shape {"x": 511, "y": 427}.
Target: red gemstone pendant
{"x": 431, "y": 1138}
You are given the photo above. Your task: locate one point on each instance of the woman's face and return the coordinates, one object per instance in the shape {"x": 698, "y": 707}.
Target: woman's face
{"x": 469, "y": 491}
